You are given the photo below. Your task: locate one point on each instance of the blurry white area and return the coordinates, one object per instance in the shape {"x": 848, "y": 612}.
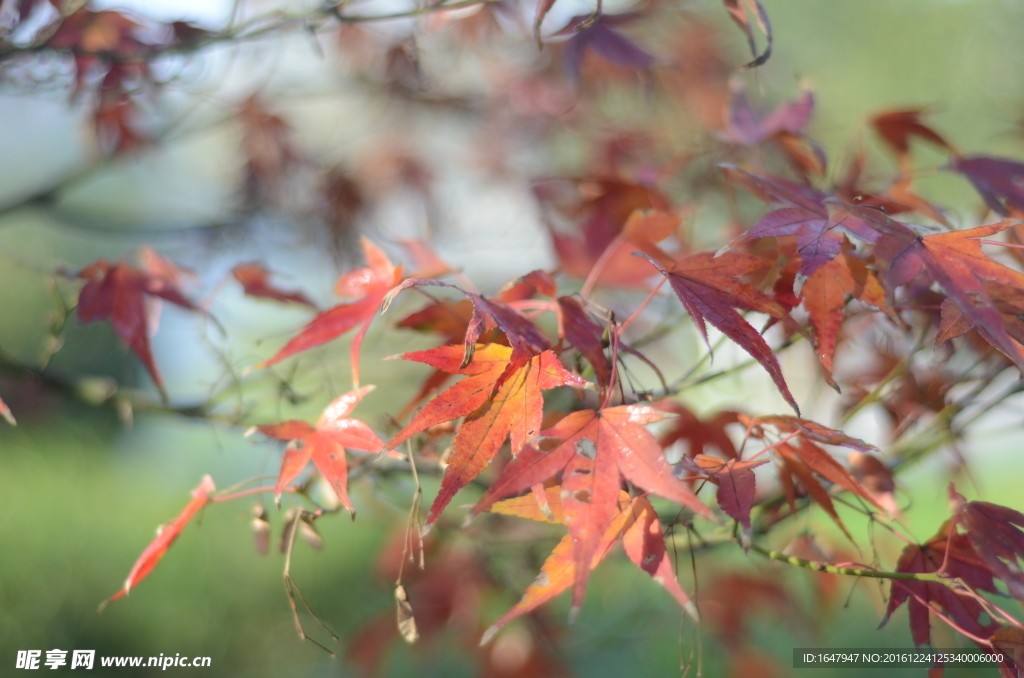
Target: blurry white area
{"x": 209, "y": 14}
{"x": 214, "y": 14}
{"x": 39, "y": 141}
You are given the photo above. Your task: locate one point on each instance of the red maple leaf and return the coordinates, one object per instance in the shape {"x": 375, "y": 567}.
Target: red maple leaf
{"x": 635, "y": 521}
{"x": 495, "y": 410}
{"x": 702, "y": 436}
{"x": 736, "y": 484}
{"x": 118, "y": 292}
{"x": 166, "y": 536}
{"x": 324, "y": 444}
{"x": 452, "y": 321}
{"x": 369, "y": 284}
{"x": 898, "y": 127}
{"x": 605, "y": 207}
{"x": 255, "y": 281}
{"x": 802, "y": 458}
{"x": 805, "y": 217}
{"x": 594, "y": 450}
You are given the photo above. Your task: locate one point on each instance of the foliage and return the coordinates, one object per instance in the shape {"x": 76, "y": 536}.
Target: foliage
{"x": 562, "y": 412}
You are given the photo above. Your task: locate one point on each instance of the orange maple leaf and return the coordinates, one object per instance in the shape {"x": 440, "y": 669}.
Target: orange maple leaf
{"x": 494, "y": 411}
{"x": 636, "y": 522}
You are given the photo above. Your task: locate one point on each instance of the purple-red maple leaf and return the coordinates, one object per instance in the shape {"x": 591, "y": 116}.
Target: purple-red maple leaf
{"x": 961, "y": 562}
{"x": 711, "y": 290}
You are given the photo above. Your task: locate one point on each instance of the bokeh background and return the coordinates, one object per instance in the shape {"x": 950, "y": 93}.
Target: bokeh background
{"x": 83, "y": 485}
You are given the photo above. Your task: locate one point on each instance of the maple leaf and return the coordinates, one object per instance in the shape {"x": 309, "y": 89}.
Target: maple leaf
{"x": 255, "y": 281}
{"x": 702, "y": 436}
{"x": 730, "y": 599}
{"x": 488, "y": 314}
{"x": 961, "y": 561}
{"x": 802, "y": 459}
{"x": 588, "y": 337}
{"x": 709, "y": 288}
{"x": 806, "y": 156}
{"x": 494, "y": 411}
{"x": 998, "y": 180}
{"x": 746, "y": 14}
{"x": 594, "y": 450}
{"x": 452, "y": 321}
{"x": 876, "y": 479}
{"x": 735, "y": 481}
{"x": 426, "y": 261}
{"x": 953, "y": 322}
{"x": 819, "y": 237}
{"x": 636, "y": 522}
{"x": 826, "y": 293}
{"x": 526, "y": 286}
{"x": 595, "y": 33}
{"x": 1010, "y": 641}
{"x": 955, "y": 261}
{"x": 604, "y": 205}
{"x": 997, "y": 535}
{"x": 324, "y": 444}
{"x": 743, "y": 125}
{"x": 166, "y": 536}
{"x": 898, "y": 127}
{"x": 118, "y": 292}
{"x": 369, "y": 284}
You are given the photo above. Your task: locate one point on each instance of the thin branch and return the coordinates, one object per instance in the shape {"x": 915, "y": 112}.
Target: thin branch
{"x": 861, "y": 571}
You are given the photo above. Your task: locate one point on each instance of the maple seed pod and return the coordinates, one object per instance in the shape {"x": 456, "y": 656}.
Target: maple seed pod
{"x": 406, "y": 620}
{"x": 309, "y": 532}
{"x": 286, "y": 533}
{"x": 261, "y": 529}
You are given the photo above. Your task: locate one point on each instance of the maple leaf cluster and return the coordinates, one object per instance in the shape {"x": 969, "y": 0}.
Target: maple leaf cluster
{"x": 533, "y": 412}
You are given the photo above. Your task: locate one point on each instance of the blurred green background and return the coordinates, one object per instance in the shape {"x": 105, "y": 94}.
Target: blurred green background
{"x": 81, "y": 493}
